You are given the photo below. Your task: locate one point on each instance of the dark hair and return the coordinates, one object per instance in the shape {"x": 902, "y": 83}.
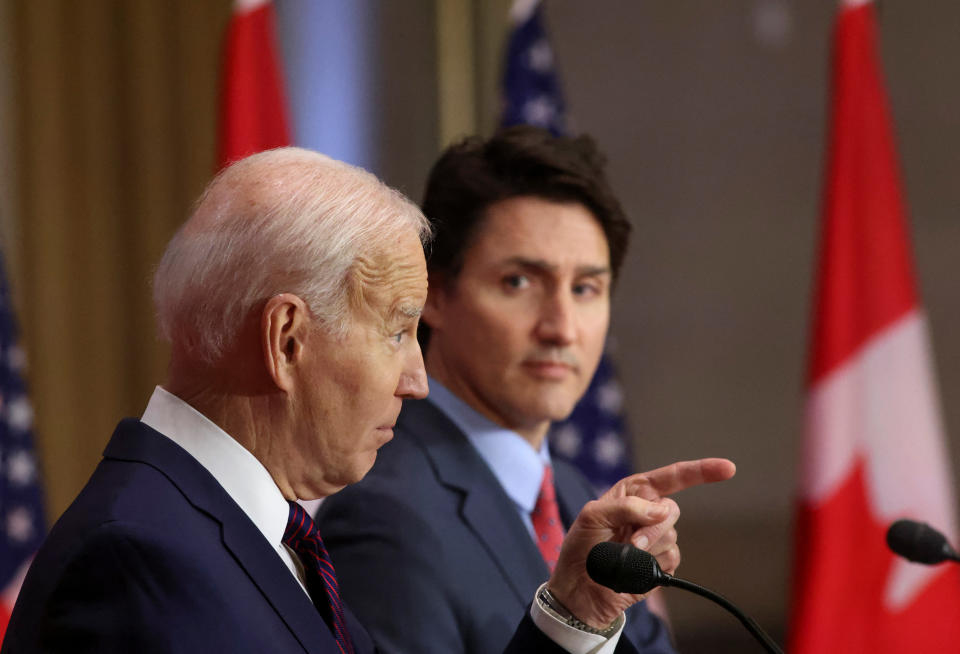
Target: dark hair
{"x": 474, "y": 174}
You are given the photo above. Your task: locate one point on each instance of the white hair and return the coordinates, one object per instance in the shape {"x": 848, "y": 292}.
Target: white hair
{"x": 282, "y": 221}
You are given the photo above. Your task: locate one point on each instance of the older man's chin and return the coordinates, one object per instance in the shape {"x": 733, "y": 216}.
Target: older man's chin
{"x": 329, "y": 484}
{"x": 364, "y": 465}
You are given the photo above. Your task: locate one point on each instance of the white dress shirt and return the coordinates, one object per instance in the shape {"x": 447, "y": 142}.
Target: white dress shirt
{"x": 244, "y": 478}
{"x": 249, "y": 484}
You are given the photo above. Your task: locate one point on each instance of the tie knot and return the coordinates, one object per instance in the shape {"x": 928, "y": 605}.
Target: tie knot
{"x": 300, "y": 527}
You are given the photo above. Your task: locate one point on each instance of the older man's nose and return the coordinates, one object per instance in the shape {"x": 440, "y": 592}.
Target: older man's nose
{"x": 413, "y": 380}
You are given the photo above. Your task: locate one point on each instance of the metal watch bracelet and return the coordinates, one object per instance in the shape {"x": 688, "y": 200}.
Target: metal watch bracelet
{"x": 552, "y": 605}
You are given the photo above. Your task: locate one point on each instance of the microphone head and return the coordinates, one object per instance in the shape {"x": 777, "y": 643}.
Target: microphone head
{"x": 918, "y": 542}
{"x": 624, "y": 568}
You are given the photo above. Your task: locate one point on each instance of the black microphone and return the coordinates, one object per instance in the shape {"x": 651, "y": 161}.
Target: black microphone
{"x": 919, "y": 542}
{"x": 626, "y": 569}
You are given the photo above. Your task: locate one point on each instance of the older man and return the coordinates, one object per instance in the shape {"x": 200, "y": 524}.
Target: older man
{"x": 453, "y": 525}
{"x": 291, "y": 299}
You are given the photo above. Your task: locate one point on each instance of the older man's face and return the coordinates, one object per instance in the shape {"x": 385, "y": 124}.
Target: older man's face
{"x": 519, "y": 333}
{"x": 356, "y": 383}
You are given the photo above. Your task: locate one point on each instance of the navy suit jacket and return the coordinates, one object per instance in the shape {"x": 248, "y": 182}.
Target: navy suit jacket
{"x": 154, "y": 556}
{"x": 430, "y": 550}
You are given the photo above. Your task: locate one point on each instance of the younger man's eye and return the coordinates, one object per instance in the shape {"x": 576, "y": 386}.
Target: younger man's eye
{"x": 516, "y": 281}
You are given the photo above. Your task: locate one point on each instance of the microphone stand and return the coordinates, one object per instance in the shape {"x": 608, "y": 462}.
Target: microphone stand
{"x": 768, "y": 643}
{"x": 626, "y": 569}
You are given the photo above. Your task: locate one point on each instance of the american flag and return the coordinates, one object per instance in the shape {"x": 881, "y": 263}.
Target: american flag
{"x": 22, "y": 524}
{"x": 594, "y": 437}
{"x": 531, "y": 86}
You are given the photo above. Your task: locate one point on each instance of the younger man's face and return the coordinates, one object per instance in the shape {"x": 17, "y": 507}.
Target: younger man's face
{"x": 519, "y": 333}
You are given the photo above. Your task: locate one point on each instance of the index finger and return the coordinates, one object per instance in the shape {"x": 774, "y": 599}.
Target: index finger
{"x": 681, "y": 475}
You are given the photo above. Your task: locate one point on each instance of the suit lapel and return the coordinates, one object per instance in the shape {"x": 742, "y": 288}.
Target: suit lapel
{"x": 486, "y": 509}
{"x": 572, "y": 491}
{"x": 273, "y": 579}
{"x": 134, "y": 441}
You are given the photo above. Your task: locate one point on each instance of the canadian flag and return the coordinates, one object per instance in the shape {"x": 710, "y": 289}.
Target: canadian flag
{"x": 253, "y": 106}
{"x": 873, "y": 443}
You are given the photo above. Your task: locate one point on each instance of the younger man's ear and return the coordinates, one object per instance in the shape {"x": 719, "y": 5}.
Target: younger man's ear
{"x": 437, "y": 298}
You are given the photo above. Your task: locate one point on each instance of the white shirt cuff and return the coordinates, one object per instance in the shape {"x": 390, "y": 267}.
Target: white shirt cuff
{"x": 570, "y": 638}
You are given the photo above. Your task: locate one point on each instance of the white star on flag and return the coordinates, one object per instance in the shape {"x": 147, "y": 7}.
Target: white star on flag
{"x": 20, "y": 413}
{"x": 540, "y": 110}
{"x": 540, "y": 57}
{"x": 19, "y": 524}
{"x": 16, "y": 358}
{"x": 610, "y": 397}
{"x": 609, "y": 449}
{"x": 21, "y": 468}
{"x": 567, "y": 440}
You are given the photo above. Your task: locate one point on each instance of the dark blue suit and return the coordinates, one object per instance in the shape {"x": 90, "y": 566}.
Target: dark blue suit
{"x": 154, "y": 556}
{"x": 430, "y": 550}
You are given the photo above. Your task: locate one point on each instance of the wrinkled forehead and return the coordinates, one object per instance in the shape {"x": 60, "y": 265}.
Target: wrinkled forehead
{"x": 391, "y": 279}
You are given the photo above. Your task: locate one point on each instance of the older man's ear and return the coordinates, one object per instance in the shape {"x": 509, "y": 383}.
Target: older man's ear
{"x": 284, "y": 325}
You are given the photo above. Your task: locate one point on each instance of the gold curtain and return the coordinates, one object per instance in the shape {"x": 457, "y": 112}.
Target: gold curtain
{"x": 115, "y": 111}
{"x": 115, "y": 121}
{"x": 471, "y": 41}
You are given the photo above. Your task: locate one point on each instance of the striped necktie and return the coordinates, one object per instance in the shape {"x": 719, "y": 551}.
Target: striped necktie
{"x": 546, "y": 520}
{"x": 302, "y": 536}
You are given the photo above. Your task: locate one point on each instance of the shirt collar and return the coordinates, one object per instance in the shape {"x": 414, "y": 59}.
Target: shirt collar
{"x": 244, "y": 478}
{"x": 516, "y": 465}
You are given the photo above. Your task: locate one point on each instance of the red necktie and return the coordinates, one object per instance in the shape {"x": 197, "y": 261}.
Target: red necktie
{"x": 546, "y": 520}
{"x": 302, "y": 536}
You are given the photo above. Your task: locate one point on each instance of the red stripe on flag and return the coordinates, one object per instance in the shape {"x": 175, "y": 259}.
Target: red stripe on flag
{"x": 253, "y": 110}
{"x": 5, "y": 612}
{"x": 865, "y": 280}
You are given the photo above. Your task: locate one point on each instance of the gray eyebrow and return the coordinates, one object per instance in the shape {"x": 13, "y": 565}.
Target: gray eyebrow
{"x": 409, "y": 310}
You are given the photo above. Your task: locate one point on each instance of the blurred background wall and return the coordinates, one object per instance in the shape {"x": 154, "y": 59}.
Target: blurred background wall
{"x": 712, "y": 115}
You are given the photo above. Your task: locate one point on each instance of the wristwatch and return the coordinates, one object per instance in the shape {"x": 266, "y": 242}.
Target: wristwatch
{"x": 553, "y": 606}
